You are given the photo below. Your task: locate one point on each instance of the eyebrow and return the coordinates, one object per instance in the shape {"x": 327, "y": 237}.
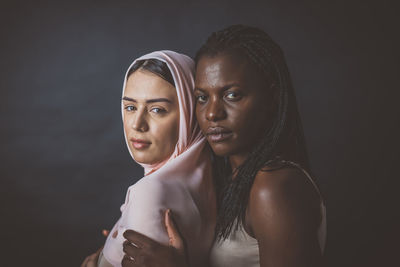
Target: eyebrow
{"x": 154, "y": 100}
{"x": 224, "y": 88}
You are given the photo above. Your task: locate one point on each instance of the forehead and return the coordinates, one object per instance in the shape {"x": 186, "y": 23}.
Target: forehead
{"x": 221, "y": 69}
{"x": 144, "y": 84}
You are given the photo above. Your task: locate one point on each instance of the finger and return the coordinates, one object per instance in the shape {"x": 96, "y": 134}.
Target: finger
{"x": 97, "y": 253}
{"x": 90, "y": 261}
{"x": 139, "y": 239}
{"x": 105, "y": 232}
{"x": 85, "y": 262}
{"x": 127, "y": 261}
{"x": 131, "y": 250}
{"x": 175, "y": 238}
{"x": 93, "y": 257}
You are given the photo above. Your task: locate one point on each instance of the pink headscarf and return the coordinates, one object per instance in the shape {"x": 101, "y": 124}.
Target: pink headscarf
{"x": 183, "y": 182}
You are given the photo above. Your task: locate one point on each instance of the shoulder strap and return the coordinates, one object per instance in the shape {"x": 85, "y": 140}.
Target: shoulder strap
{"x": 296, "y": 165}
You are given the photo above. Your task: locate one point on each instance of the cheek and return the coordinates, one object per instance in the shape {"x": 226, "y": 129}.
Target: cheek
{"x": 126, "y": 126}
{"x": 200, "y": 116}
{"x": 173, "y": 132}
{"x": 166, "y": 133}
{"x": 248, "y": 122}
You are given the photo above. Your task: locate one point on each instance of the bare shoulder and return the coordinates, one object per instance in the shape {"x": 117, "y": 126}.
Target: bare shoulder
{"x": 284, "y": 216}
{"x": 284, "y": 182}
{"x": 284, "y": 194}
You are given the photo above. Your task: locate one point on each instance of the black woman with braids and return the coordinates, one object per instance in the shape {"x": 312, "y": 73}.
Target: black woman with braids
{"x": 270, "y": 212}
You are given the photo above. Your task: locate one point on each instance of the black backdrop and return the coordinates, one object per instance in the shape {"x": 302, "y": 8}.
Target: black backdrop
{"x": 64, "y": 164}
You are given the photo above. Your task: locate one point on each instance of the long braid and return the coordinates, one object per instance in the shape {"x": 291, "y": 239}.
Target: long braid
{"x": 284, "y": 139}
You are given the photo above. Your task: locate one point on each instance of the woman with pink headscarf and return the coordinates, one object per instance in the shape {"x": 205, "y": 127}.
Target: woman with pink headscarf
{"x": 163, "y": 136}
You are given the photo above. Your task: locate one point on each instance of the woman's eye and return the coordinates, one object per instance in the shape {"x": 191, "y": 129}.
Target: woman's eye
{"x": 201, "y": 98}
{"x": 158, "y": 110}
{"x": 130, "y": 108}
{"x": 232, "y": 96}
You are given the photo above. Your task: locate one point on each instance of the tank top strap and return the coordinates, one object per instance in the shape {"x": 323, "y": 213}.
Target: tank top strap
{"x": 298, "y": 166}
{"x": 322, "y": 227}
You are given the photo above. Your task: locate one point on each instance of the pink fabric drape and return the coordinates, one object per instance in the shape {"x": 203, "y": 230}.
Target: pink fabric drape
{"x": 183, "y": 182}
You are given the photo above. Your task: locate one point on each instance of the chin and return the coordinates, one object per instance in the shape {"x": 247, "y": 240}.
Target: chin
{"x": 147, "y": 159}
{"x": 147, "y": 162}
{"x": 142, "y": 158}
{"x": 222, "y": 149}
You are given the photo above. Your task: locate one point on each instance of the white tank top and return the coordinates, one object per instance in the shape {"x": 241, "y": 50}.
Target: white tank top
{"x": 241, "y": 250}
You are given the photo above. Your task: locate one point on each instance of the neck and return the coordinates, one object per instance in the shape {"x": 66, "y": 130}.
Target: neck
{"x": 237, "y": 160}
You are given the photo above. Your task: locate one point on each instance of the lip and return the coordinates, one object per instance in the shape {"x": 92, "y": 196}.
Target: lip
{"x": 140, "y": 143}
{"x": 218, "y": 134}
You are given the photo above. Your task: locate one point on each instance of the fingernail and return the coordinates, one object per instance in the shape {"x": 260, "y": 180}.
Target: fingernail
{"x": 105, "y": 232}
{"x": 115, "y": 234}
{"x": 124, "y": 234}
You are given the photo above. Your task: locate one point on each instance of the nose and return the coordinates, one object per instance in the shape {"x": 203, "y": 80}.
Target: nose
{"x": 215, "y": 110}
{"x": 139, "y": 122}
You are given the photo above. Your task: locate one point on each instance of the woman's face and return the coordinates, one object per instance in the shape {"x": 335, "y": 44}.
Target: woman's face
{"x": 232, "y": 103}
{"x": 151, "y": 117}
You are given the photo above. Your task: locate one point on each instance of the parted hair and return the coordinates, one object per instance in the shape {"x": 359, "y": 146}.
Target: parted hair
{"x": 155, "y": 66}
{"x": 283, "y": 138}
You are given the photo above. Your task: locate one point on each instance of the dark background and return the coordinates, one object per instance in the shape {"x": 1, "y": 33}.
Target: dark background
{"x": 65, "y": 167}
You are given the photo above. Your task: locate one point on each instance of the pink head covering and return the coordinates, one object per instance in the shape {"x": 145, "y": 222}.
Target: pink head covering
{"x": 182, "y": 68}
{"x": 183, "y": 182}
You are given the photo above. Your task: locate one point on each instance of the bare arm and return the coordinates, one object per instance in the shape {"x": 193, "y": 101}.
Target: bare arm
{"x": 284, "y": 216}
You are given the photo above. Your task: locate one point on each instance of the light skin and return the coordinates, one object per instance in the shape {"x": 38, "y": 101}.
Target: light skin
{"x": 283, "y": 212}
{"x": 151, "y": 117}
{"x": 151, "y": 125}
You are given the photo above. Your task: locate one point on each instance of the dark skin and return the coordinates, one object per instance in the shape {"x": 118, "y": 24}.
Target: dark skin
{"x": 148, "y": 252}
{"x": 283, "y": 213}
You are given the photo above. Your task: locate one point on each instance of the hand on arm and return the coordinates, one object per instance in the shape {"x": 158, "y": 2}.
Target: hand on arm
{"x": 141, "y": 250}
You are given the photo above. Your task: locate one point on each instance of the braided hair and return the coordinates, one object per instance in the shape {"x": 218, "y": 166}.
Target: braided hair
{"x": 283, "y": 139}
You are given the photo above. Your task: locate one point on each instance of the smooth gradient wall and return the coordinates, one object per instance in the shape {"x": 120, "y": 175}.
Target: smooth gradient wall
{"x": 64, "y": 164}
